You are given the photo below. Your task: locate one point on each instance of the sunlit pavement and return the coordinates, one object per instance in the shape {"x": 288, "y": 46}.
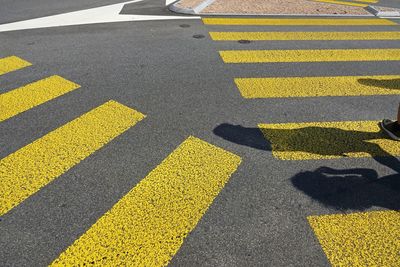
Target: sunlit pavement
{"x": 193, "y": 142}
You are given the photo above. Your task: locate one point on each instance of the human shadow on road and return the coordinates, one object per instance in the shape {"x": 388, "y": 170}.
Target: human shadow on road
{"x": 350, "y": 189}
{"x": 323, "y": 141}
{"x": 356, "y": 189}
{"x": 251, "y": 137}
{"x": 393, "y": 84}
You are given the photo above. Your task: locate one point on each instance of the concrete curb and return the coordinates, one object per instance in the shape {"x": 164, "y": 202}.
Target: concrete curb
{"x": 192, "y": 11}
{"x": 377, "y": 11}
{"x": 181, "y": 10}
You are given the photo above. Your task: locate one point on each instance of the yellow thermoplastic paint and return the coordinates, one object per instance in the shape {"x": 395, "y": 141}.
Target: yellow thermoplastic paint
{"x": 34, "y": 94}
{"x": 32, "y": 167}
{"x": 9, "y": 64}
{"x": 318, "y": 86}
{"x": 309, "y": 36}
{"x": 309, "y": 55}
{"x": 298, "y": 22}
{"x": 336, "y": 2}
{"x": 359, "y": 239}
{"x": 328, "y": 140}
{"x": 149, "y": 224}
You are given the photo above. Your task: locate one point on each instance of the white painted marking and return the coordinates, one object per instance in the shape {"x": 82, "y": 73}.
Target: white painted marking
{"x": 104, "y": 14}
{"x": 168, "y": 2}
{"x": 202, "y": 6}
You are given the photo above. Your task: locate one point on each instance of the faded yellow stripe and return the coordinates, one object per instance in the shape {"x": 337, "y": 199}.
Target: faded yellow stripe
{"x": 298, "y": 22}
{"x": 318, "y": 86}
{"x": 308, "y": 36}
{"x": 34, "y": 94}
{"x": 367, "y": 1}
{"x": 327, "y": 55}
{"x": 13, "y": 63}
{"x": 328, "y": 140}
{"x": 32, "y": 167}
{"x": 359, "y": 239}
{"x": 149, "y": 224}
{"x": 341, "y": 3}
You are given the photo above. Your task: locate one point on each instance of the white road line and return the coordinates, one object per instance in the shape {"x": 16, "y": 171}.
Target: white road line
{"x": 168, "y": 2}
{"x": 104, "y": 14}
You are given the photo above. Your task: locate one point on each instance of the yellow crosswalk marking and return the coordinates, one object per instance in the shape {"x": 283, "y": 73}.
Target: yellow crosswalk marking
{"x": 27, "y": 170}
{"x": 34, "y": 94}
{"x": 325, "y": 55}
{"x": 148, "y": 225}
{"x": 367, "y": 1}
{"x": 9, "y": 64}
{"x": 298, "y": 22}
{"x": 308, "y": 36}
{"x": 328, "y": 140}
{"x": 318, "y": 86}
{"x": 359, "y": 239}
{"x": 336, "y": 2}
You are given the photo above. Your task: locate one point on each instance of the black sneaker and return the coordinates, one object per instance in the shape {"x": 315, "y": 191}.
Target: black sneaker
{"x": 391, "y": 128}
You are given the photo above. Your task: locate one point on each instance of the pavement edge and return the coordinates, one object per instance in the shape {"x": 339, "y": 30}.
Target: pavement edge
{"x": 175, "y": 7}
{"x": 192, "y": 11}
{"x": 383, "y": 12}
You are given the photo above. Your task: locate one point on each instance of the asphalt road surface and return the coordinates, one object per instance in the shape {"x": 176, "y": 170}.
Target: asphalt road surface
{"x": 177, "y": 142}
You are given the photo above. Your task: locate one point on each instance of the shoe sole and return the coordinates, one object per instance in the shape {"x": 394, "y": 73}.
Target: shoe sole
{"x": 389, "y": 133}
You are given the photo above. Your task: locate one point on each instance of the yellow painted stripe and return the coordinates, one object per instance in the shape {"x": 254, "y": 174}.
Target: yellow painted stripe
{"x": 298, "y": 22}
{"x": 359, "y": 239}
{"x": 34, "y": 94}
{"x": 318, "y": 86}
{"x": 32, "y": 167}
{"x": 367, "y": 1}
{"x": 149, "y": 224}
{"x": 328, "y": 140}
{"x": 341, "y": 3}
{"x": 13, "y": 63}
{"x": 285, "y": 36}
{"x": 326, "y": 55}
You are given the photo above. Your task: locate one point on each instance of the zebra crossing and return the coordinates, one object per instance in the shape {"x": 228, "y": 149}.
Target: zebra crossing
{"x": 374, "y": 240}
{"x": 149, "y": 224}
{"x": 317, "y": 86}
{"x": 307, "y": 36}
{"x": 30, "y": 168}
{"x": 34, "y": 94}
{"x": 12, "y": 63}
{"x": 347, "y": 239}
{"x": 309, "y": 55}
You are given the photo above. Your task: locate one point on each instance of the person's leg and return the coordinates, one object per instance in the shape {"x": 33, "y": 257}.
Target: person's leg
{"x": 398, "y": 115}
{"x": 392, "y": 128}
